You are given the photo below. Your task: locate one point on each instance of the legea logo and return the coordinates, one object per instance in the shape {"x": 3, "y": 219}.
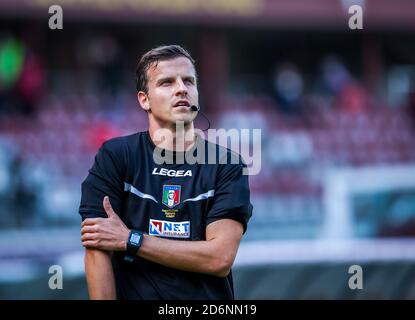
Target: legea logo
{"x": 172, "y": 173}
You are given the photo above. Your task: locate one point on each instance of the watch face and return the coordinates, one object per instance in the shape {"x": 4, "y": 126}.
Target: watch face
{"x": 135, "y": 238}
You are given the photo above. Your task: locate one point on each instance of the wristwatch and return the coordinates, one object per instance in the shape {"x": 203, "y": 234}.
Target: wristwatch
{"x": 133, "y": 244}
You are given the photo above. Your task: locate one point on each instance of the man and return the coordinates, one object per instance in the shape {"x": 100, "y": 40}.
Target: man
{"x": 163, "y": 231}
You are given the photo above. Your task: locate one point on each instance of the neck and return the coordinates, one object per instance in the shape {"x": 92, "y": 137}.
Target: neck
{"x": 176, "y": 137}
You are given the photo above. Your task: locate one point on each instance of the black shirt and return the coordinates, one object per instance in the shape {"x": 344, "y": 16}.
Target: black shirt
{"x": 175, "y": 201}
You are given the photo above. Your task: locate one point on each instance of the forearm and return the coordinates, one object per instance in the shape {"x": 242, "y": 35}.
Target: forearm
{"x": 214, "y": 256}
{"x": 99, "y": 275}
{"x": 196, "y": 256}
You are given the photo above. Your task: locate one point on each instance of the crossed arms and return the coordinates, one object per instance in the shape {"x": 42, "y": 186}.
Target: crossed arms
{"x": 101, "y": 236}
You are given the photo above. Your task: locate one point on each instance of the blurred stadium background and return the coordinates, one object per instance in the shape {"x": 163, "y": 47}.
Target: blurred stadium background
{"x": 336, "y": 108}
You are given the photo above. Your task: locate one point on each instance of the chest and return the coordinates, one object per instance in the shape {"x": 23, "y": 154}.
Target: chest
{"x": 169, "y": 201}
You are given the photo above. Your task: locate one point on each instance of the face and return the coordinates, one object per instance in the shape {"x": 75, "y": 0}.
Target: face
{"x": 172, "y": 89}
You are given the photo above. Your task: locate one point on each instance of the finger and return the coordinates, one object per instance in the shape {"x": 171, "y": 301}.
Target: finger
{"x": 89, "y": 229}
{"x": 90, "y": 221}
{"x": 90, "y": 244}
{"x": 88, "y": 236}
{"x": 107, "y": 207}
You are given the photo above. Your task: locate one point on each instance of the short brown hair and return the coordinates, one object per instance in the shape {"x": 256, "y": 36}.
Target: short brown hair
{"x": 154, "y": 56}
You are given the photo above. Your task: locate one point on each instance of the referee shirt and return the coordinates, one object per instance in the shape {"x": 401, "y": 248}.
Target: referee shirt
{"x": 175, "y": 201}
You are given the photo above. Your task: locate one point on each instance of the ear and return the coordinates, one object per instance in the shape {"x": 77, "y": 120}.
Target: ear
{"x": 143, "y": 101}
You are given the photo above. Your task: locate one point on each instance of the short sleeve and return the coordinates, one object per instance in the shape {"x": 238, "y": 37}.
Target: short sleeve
{"x": 232, "y": 196}
{"x": 105, "y": 178}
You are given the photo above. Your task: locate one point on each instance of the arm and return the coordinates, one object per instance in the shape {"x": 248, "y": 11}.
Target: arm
{"x": 99, "y": 275}
{"x": 215, "y": 255}
{"x": 105, "y": 177}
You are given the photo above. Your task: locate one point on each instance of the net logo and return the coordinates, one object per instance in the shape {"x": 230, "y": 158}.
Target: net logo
{"x": 169, "y": 229}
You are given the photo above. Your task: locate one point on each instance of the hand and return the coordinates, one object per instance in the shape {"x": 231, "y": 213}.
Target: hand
{"x": 109, "y": 234}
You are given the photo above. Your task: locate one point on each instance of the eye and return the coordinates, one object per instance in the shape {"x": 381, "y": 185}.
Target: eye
{"x": 165, "y": 82}
{"x": 189, "y": 81}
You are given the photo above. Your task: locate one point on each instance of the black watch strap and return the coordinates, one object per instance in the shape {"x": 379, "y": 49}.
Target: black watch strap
{"x": 133, "y": 244}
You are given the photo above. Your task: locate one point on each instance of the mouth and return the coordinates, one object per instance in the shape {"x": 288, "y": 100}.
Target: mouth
{"x": 182, "y": 103}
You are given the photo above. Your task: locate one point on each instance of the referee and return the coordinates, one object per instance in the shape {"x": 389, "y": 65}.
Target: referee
{"x": 169, "y": 230}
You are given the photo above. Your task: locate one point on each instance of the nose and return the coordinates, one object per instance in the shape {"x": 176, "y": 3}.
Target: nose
{"x": 181, "y": 89}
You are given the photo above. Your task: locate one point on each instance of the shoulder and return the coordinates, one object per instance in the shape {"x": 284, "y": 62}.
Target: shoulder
{"x": 119, "y": 151}
{"x": 121, "y": 145}
{"x": 224, "y": 156}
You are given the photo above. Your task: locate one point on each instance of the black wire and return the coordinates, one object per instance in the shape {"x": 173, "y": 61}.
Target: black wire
{"x": 206, "y": 119}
